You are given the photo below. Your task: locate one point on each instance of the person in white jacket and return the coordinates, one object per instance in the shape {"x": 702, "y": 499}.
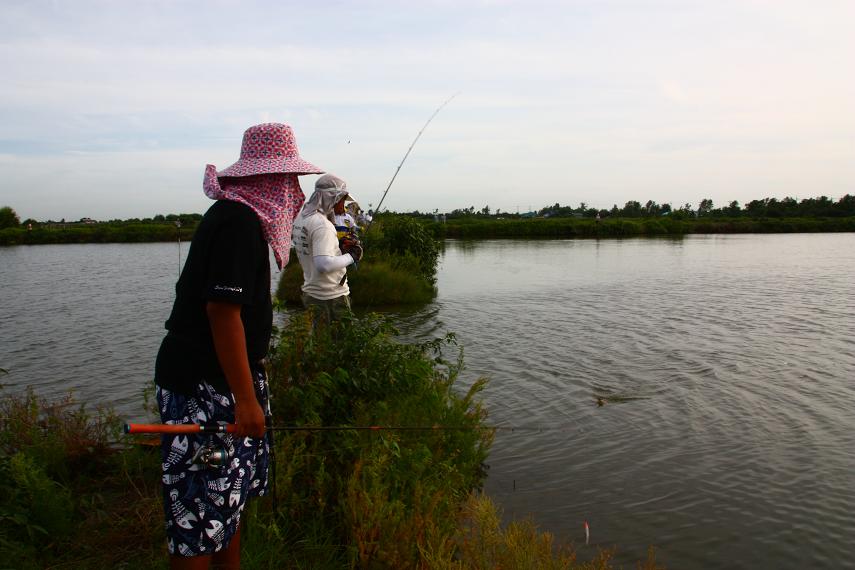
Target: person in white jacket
{"x": 323, "y": 258}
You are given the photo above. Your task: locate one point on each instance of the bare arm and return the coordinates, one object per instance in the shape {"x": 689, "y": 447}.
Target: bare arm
{"x": 230, "y": 344}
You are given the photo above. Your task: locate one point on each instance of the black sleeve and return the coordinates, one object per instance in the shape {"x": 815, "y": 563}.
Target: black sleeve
{"x": 232, "y": 263}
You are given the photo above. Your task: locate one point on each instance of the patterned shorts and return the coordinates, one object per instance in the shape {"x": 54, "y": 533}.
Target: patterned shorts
{"x": 202, "y": 504}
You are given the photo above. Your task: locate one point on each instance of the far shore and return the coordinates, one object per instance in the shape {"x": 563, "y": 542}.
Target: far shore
{"x": 472, "y": 227}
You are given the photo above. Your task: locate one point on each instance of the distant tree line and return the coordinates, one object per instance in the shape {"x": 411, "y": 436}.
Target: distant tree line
{"x": 812, "y": 212}
{"x": 821, "y": 207}
{"x": 86, "y": 230}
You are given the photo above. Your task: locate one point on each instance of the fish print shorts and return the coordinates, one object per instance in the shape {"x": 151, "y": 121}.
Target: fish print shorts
{"x": 202, "y": 504}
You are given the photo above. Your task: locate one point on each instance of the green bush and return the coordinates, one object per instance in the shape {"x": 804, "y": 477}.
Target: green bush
{"x": 399, "y": 267}
{"x": 70, "y": 497}
{"x": 34, "y": 507}
{"x": 384, "y": 495}
{"x": 402, "y": 237}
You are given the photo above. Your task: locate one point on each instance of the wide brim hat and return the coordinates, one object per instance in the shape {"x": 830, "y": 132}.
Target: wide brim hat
{"x": 269, "y": 148}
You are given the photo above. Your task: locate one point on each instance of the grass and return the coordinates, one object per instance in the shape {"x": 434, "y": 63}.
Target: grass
{"x": 374, "y": 284}
{"x": 399, "y": 267}
{"x": 74, "y": 500}
{"x": 342, "y": 499}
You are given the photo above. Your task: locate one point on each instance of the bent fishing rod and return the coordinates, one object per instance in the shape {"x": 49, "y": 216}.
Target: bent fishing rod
{"x": 397, "y": 170}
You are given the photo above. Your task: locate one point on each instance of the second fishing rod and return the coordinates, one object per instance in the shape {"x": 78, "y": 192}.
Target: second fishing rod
{"x": 395, "y": 175}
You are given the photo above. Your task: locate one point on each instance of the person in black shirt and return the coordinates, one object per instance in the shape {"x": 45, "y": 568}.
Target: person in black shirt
{"x": 209, "y": 366}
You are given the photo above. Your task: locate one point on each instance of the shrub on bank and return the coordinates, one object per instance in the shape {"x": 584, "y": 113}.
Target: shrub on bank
{"x": 399, "y": 267}
{"x": 373, "y": 284}
{"x": 71, "y": 499}
{"x": 384, "y": 495}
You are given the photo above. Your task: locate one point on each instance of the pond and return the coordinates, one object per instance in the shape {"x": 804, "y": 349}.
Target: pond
{"x": 723, "y": 365}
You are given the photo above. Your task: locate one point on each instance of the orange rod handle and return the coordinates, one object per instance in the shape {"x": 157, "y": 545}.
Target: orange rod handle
{"x": 179, "y": 428}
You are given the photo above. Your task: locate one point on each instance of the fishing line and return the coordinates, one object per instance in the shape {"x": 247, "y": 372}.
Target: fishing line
{"x": 178, "y": 231}
{"x": 133, "y": 428}
{"x": 397, "y": 170}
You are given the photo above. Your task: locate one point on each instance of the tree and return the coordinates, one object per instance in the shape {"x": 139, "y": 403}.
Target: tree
{"x": 631, "y": 209}
{"x": 846, "y": 205}
{"x": 705, "y": 207}
{"x": 8, "y": 218}
{"x": 733, "y": 209}
{"x": 651, "y": 208}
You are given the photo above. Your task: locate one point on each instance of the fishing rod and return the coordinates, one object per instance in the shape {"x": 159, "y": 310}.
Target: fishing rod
{"x": 213, "y": 454}
{"x": 131, "y": 428}
{"x": 397, "y": 170}
{"x": 178, "y": 232}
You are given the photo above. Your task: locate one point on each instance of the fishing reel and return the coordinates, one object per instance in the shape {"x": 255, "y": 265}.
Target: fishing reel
{"x": 211, "y": 456}
{"x": 350, "y": 243}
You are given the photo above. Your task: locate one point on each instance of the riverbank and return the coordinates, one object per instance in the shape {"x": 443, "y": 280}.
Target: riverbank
{"x": 119, "y": 232}
{"x": 83, "y": 497}
{"x": 474, "y": 227}
{"x": 467, "y": 227}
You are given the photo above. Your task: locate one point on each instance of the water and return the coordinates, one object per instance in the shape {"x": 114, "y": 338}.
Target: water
{"x": 727, "y": 436}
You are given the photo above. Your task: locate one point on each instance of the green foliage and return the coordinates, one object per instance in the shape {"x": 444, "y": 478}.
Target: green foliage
{"x": 8, "y": 218}
{"x": 70, "y": 498}
{"x": 376, "y": 283}
{"x": 394, "y": 281}
{"x": 110, "y": 232}
{"x": 384, "y": 495}
{"x": 484, "y": 544}
{"x": 399, "y": 267}
{"x": 408, "y": 244}
{"x": 34, "y": 507}
{"x": 61, "y": 436}
{"x": 677, "y": 223}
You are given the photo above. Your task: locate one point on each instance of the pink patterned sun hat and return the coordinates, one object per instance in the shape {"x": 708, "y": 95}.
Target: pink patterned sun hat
{"x": 269, "y": 148}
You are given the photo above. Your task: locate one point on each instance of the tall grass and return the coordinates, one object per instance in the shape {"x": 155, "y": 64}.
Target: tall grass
{"x": 384, "y": 494}
{"x": 384, "y": 499}
{"x": 399, "y": 267}
{"x": 70, "y": 499}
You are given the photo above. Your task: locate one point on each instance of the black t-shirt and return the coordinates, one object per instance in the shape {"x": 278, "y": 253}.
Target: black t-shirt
{"x": 228, "y": 261}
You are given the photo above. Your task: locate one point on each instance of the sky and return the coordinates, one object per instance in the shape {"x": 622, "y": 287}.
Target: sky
{"x": 112, "y": 109}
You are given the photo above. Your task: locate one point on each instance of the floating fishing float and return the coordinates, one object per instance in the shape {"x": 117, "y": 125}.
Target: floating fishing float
{"x": 587, "y": 533}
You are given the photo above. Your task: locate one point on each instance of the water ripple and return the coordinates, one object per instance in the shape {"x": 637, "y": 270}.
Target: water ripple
{"x": 725, "y": 362}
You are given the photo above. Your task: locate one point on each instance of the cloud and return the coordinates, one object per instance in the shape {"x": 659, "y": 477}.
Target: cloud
{"x": 617, "y": 97}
